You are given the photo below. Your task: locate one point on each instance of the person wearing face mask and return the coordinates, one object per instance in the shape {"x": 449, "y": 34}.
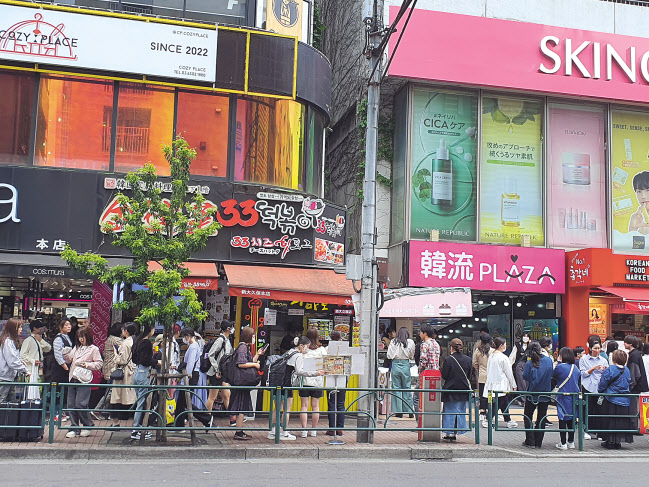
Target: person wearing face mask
{"x": 456, "y": 373}
{"x": 122, "y": 398}
{"x": 501, "y": 379}
{"x": 591, "y": 367}
{"x": 219, "y": 349}
{"x": 195, "y": 378}
{"x": 538, "y": 374}
{"x": 312, "y": 385}
{"x": 292, "y": 377}
{"x": 566, "y": 376}
{"x": 518, "y": 358}
{"x": 60, "y": 366}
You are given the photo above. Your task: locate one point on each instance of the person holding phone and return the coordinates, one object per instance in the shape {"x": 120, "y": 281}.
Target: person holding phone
{"x": 591, "y": 368}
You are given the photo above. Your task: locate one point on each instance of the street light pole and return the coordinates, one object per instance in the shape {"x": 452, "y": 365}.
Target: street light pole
{"x": 368, "y": 318}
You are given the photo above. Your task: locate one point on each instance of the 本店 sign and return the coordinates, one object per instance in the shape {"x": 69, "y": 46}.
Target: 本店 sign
{"x": 542, "y": 58}
{"x": 106, "y": 43}
{"x": 487, "y": 267}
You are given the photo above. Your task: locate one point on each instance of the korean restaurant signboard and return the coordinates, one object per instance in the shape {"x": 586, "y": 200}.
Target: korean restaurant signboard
{"x": 264, "y": 227}
{"x": 106, "y": 43}
{"x": 487, "y": 267}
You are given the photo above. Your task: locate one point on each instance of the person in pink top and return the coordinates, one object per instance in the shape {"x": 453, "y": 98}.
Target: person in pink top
{"x": 430, "y": 349}
{"x": 85, "y": 357}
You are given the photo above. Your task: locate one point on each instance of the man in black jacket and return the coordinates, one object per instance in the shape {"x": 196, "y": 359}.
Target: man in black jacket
{"x": 638, "y": 374}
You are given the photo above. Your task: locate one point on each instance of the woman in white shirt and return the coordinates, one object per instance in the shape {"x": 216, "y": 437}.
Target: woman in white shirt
{"x": 501, "y": 379}
{"x": 316, "y": 351}
{"x": 401, "y": 351}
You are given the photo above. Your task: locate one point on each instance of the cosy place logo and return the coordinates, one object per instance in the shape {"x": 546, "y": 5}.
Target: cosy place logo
{"x": 38, "y": 38}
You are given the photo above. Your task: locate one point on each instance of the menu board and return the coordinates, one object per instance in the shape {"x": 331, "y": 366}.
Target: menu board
{"x": 217, "y": 305}
{"x": 341, "y": 324}
{"x": 324, "y": 327}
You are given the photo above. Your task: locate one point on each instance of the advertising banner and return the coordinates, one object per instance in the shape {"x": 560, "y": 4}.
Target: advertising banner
{"x": 107, "y": 43}
{"x": 284, "y": 17}
{"x": 102, "y": 301}
{"x": 43, "y": 209}
{"x": 630, "y": 163}
{"x": 511, "y": 194}
{"x": 598, "y": 320}
{"x": 444, "y": 151}
{"x": 536, "y": 57}
{"x": 488, "y": 267}
{"x": 576, "y": 177}
{"x": 455, "y": 303}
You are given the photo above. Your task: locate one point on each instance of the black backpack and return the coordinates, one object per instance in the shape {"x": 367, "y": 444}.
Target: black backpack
{"x": 205, "y": 363}
{"x": 226, "y": 366}
{"x": 279, "y": 374}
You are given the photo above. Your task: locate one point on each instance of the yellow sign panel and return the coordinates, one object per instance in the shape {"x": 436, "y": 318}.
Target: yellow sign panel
{"x": 284, "y": 17}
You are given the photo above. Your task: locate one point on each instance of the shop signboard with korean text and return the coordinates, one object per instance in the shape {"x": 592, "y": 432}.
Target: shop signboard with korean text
{"x": 630, "y": 180}
{"x": 486, "y": 267}
{"x": 576, "y": 177}
{"x": 511, "y": 190}
{"x": 84, "y": 41}
{"x": 71, "y": 207}
{"x": 444, "y": 148}
{"x": 484, "y": 51}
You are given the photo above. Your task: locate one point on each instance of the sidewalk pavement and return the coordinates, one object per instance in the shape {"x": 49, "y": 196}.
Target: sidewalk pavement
{"x": 507, "y": 443}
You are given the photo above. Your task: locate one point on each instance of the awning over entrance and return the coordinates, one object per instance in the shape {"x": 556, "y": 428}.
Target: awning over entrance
{"x": 202, "y": 275}
{"x": 636, "y": 299}
{"x": 427, "y": 303}
{"x": 289, "y": 284}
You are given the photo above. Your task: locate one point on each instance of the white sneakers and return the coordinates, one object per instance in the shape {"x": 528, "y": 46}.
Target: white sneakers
{"x": 314, "y": 433}
{"x": 484, "y": 423}
{"x": 84, "y": 433}
{"x": 587, "y": 436}
{"x": 283, "y": 436}
{"x": 71, "y": 434}
{"x": 304, "y": 434}
{"x": 568, "y": 446}
{"x": 512, "y": 424}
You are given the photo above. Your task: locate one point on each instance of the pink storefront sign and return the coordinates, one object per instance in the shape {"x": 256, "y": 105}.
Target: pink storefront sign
{"x": 487, "y": 267}
{"x": 499, "y": 53}
{"x": 434, "y": 305}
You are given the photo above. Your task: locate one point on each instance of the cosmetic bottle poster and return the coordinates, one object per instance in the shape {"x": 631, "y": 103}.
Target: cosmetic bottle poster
{"x": 444, "y": 165}
{"x": 576, "y": 177}
{"x": 630, "y": 165}
{"x": 511, "y": 194}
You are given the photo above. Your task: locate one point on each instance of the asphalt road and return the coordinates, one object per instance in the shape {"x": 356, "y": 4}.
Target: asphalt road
{"x": 455, "y": 473}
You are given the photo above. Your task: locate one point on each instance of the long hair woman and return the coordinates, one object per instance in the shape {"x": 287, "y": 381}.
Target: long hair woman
{"x": 566, "y": 376}
{"x": 309, "y": 384}
{"x": 10, "y": 363}
{"x": 401, "y": 351}
{"x": 501, "y": 379}
{"x": 480, "y": 360}
{"x": 85, "y": 357}
{"x": 60, "y": 365}
{"x": 538, "y": 374}
{"x": 122, "y": 398}
{"x": 615, "y": 408}
{"x": 456, "y": 373}
{"x": 240, "y": 401}
{"x": 143, "y": 360}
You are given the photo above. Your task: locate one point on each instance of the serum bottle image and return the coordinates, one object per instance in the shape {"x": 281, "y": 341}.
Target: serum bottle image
{"x": 442, "y": 193}
{"x": 510, "y": 202}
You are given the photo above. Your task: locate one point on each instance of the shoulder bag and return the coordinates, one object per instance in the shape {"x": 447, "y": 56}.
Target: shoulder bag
{"x": 556, "y": 389}
{"x": 468, "y": 382}
{"x": 118, "y": 373}
{"x": 245, "y": 377}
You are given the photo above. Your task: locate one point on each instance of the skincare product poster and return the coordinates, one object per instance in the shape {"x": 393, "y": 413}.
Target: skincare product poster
{"x": 444, "y": 165}
{"x": 511, "y": 194}
{"x": 630, "y": 165}
{"x": 576, "y": 177}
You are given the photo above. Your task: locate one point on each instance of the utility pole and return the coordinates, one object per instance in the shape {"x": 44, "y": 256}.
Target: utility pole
{"x": 368, "y": 318}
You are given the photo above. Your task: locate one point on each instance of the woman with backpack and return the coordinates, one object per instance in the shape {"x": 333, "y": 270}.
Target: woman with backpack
{"x": 10, "y": 363}
{"x": 214, "y": 353}
{"x": 240, "y": 400}
{"x": 456, "y": 373}
{"x": 196, "y": 378}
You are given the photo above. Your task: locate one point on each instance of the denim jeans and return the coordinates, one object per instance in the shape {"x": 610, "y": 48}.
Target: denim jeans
{"x": 455, "y": 420}
{"x": 141, "y": 378}
{"x": 401, "y": 401}
{"x": 78, "y": 398}
{"x": 336, "y": 402}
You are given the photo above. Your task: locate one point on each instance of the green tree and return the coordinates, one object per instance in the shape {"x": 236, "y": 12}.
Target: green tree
{"x": 156, "y": 229}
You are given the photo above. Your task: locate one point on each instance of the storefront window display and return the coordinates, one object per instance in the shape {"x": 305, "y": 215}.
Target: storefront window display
{"x": 444, "y": 154}
{"x": 74, "y": 123}
{"x": 203, "y": 121}
{"x": 16, "y": 105}
{"x": 576, "y": 177}
{"x": 511, "y": 192}
{"x": 145, "y": 118}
